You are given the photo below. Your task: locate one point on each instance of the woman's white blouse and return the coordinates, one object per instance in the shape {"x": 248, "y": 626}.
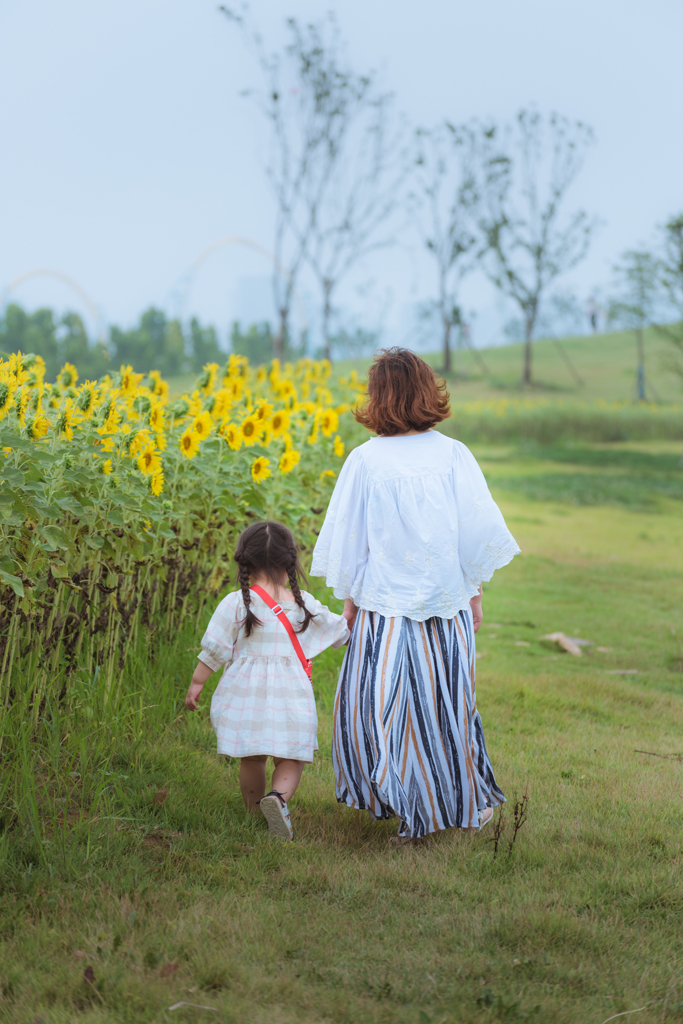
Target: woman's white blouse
{"x": 411, "y": 528}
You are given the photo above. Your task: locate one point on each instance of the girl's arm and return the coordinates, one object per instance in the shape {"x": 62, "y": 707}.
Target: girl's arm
{"x": 477, "y": 613}
{"x": 199, "y": 677}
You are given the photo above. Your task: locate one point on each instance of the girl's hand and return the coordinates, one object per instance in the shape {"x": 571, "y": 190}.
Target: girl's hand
{"x": 350, "y": 612}
{"x": 193, "y": 695}
{"x": 199, "y": 677}
{"x": 477, "y": 613}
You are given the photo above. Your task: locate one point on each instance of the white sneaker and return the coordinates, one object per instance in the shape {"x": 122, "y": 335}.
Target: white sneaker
{"x": 274, "y": 810}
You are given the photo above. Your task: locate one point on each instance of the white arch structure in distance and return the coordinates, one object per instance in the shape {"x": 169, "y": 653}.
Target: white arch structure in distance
{"x": 70, "y": 283}
{"x": 220, "y": 243}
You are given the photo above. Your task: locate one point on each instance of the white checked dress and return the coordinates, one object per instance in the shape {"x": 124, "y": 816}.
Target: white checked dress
{"x": 264, "y": 702}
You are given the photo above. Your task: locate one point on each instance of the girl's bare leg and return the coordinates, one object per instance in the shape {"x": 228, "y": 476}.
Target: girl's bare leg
{"x": 253, "y": 780}
{"x": 286, "y": 777}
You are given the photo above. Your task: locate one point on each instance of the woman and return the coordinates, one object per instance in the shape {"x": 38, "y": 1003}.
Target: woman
{"x": 410, "y": 534}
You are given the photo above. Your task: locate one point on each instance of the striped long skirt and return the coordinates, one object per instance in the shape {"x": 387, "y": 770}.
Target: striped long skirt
{"x": 408, "y": 740}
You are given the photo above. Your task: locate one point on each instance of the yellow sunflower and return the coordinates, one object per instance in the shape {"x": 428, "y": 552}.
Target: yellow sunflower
{"x": 64, "y": 424}
{"x": 107, "y": 467}
{"x": 279, "y": 423}
{"x": 37, "y": 428}
{"x": 289, "y": 461}
{"x": 202, "y": 425}
{"x": 7, "y": 390}
{"x": 189, "y": 443}
{"x": 329, "y": 421}
{"x": 328, "y": 474}
{"x": 140, "y": 441}
{"x": 259, "y": 469}
{"x": 156, "y": 418}
{"x": 157, "y": 482}
{"x": 251, "y": 431}
{"x": 338, "y": 446}
{"x": 68, "y": 375}
{"x": 148, "y": 461}
{"x": 232, "y": 434}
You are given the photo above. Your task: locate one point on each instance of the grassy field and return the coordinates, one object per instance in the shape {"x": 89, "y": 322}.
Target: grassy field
{"x": 606, "y": 364}
{"x": 118, "y": 903}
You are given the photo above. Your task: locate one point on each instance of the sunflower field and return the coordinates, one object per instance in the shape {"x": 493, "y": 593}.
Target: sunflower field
{"x": 120, "y": 507}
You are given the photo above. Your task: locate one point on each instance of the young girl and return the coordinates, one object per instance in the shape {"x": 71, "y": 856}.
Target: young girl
{"x": 264, "y": 704}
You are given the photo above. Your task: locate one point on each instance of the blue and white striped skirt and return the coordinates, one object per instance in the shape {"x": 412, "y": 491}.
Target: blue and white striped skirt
{"x": 408, "y": 740}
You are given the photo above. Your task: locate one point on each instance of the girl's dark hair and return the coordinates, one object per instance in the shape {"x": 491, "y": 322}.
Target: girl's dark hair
{"x": 404, "y": 394}
{"x": 269, "y": 549}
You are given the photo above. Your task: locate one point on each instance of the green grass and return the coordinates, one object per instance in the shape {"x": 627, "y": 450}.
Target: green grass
{"x": 189, "y": 901}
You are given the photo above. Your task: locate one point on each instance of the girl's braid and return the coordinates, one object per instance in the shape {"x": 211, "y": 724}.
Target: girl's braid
{"x": 250, "y": 621}
{"x": 296, "y": 593}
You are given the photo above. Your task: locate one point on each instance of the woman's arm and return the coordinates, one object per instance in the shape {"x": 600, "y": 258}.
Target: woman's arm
{"x": 199, "y": 677}
{"x": 477, "y": 613}
{"x": 350, "y": 612}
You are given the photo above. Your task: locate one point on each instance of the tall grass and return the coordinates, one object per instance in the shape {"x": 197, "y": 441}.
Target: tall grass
{"x": 548, "y": 420}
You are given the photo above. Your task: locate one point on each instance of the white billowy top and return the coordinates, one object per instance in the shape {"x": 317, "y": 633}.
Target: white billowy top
{"x": 411, "y": 528}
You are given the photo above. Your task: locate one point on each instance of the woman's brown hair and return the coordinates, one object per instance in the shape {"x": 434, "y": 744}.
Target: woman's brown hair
{"x": 269, "y": 549}
{"x": 404, "y": 394}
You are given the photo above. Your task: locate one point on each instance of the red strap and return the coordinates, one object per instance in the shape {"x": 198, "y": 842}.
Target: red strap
{"x": 278, "y": 610}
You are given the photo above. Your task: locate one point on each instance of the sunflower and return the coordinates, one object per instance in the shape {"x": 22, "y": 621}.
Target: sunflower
{"x": 232, "y": 434}
{"x": 157, "y": 482}
{"x": 338, "y": 446}
{"x": 221, "y": 403}
{"x": 68, "y": 375}
{"x": 328, "y": 474}
{"x": 129, "y": 381}
{"x": 138, "y": 442}
{"x": 202, "y": 425}
{"x": 279, "y": 423}
{"x": 107, "y": 467}
{"x": 208, "y": 378}
{"x": 233, "y": 388}
{"x": 261, "y": 375}
{"x": 251, "y": 431}
{"x": 156, "y": 418}
{"x": 189, "y": 443}
{"x": 86, "y": 398}
{"x": 64, "y": 424}
{"x": 37, "y": 428}
{"x": 329, "y": 421}
{"x": 21, "y": 400}
{"x": 162, "y": 442}
{"x": 149, "y": 461}
{"x": 6, "y": 397}
{"x": 158, "y": 387}
{"x": 289, "y": 461}
{"x": 259, "y": 469}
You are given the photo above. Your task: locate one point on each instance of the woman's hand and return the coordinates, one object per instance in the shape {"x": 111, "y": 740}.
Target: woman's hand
{"x": 350, "y": 612}
{"x": 201, "y": 674}
{"x": 477, "y": 613}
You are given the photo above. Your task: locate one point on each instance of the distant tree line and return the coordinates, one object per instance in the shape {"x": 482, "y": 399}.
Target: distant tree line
{"x": 155, "y": 343}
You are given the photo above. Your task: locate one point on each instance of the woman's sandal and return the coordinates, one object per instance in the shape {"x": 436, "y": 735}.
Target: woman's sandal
{"x": 485, "y": 820}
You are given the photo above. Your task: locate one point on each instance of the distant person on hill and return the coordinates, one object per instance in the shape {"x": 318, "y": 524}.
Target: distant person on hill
{"x": 593, "y": 310}
{"x": 263, "y": 637}
{"x": 410, "y": 534}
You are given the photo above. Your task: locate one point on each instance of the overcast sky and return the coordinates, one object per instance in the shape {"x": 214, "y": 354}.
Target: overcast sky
{"x": 126, "y": 149}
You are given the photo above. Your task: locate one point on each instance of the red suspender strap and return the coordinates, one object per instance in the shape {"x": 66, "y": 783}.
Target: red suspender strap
{"x": 278, "y": 610}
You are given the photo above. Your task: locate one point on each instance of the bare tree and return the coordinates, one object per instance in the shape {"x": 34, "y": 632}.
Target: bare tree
{"x": 639, "y": 281}
{"x": 443, "y": 204}
{"x": 364, "y": 192}
{"x": 311, "y": 101}
{"x": 525, "y": 172}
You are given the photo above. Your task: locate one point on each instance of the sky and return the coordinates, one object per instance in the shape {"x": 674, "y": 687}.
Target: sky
{"x": 126, "y": 149}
